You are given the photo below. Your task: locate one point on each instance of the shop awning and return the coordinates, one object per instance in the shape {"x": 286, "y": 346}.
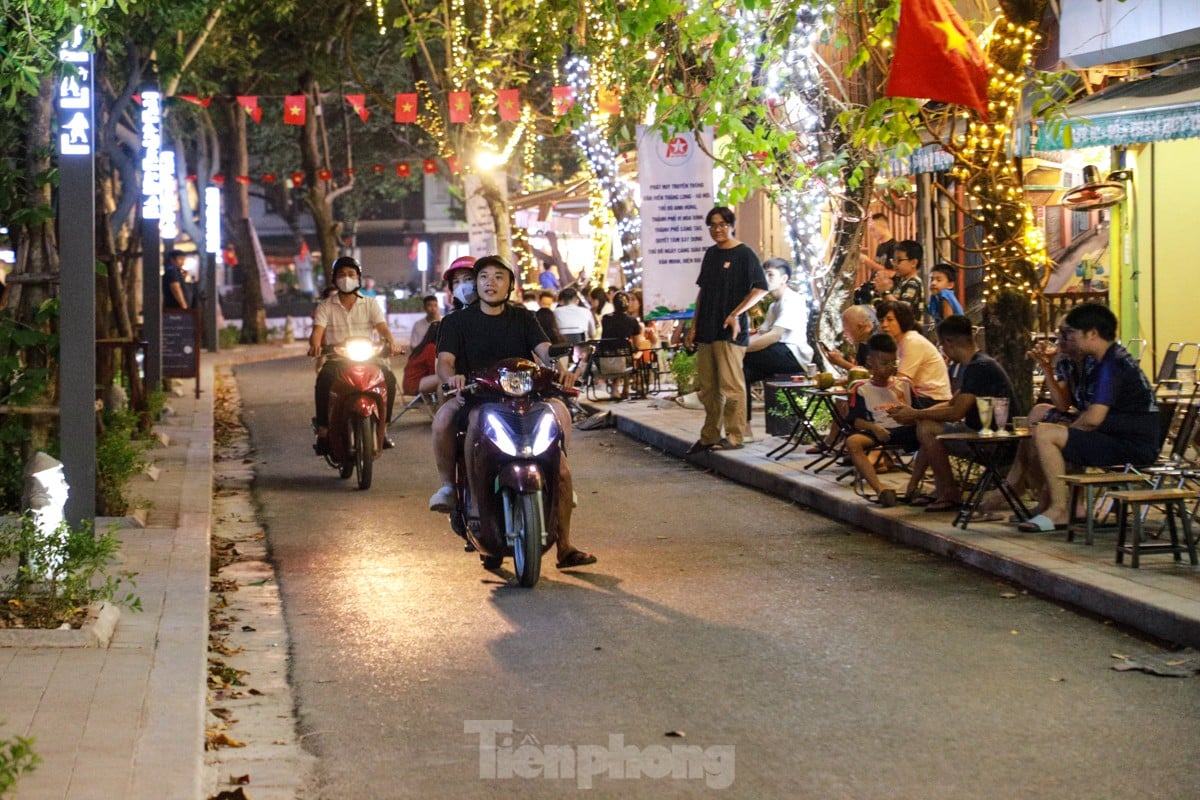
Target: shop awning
{"x": 1153, "y": 109}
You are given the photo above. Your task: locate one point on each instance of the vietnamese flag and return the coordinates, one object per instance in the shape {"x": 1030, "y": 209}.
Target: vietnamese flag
{"x": 268, "y": 177}
{"x": 359, "y": 103}
{"x": 196, "y": 101}
{"x": 403, "y": 170}
{"x": 454, "y": 165}
{"x": 218, "y": 179}
{"x": 430, "y": 166}
{"x": 608, "y": 101}
{"x": 294, "y": 108}
{"x": 350, "y": 171}
{"x": 509, "y": 102}
{"x": 564, "y": 98}
{"x": 460, "y": 106}
{"x": 244, "y": 180}
{"x": 250, "y": 104}
{"x": 377, "y": 169}
{"x": 937, "y": 57}
{"x": 406, "y": 107}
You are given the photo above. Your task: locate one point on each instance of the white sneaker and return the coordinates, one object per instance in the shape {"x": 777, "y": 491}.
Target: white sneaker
{"x": 442, "y": 501}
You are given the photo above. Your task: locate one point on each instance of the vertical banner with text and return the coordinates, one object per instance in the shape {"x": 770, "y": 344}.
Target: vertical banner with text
{"x": 481, "y": 225}
{"x": 676, "y": 180}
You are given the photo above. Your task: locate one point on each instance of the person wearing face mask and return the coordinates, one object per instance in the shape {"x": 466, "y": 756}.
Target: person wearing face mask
{"x": 474, "y": 339}
{"x": 460, "y": 282}
{"x": 345, "y": 315}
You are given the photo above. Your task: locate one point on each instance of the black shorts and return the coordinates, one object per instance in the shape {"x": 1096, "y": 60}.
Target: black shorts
{"x": 1096, "y": 449}
{"x": 905, "y": 437}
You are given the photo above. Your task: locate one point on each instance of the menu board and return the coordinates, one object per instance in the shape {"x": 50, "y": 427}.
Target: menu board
{"x": 181, "y": 343}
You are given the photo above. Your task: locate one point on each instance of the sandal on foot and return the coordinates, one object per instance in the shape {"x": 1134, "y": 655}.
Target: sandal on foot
{"x": 887, "y": 498}
{"x": 920, "y": 500}
{"x": 725, "y": 444}
{"x": 699, "y": 447}
{"x": 1040, "y": 524}
{"x": 943, "y": 505}
{"x": 576, "y": 558}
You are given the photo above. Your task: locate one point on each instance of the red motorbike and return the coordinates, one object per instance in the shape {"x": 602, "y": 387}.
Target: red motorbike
{"x": 357, "y": 409}
{"x": 507, "y": 487}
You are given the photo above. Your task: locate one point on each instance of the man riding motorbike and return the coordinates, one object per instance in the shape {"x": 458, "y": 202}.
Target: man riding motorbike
{"x": 474, "y": 338}
{"x": 342, "y": 316}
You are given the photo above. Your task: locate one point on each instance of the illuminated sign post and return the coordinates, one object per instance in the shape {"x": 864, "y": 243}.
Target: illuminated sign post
{"x": 77, "y": 294}
{"x": 212, "y": 246}
{"x": 153, "y": 180}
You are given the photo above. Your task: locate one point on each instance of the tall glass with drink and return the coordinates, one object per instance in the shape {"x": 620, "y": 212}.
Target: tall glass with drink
{"x": 1000, "y": 414}
{"x": 984, "y": 406}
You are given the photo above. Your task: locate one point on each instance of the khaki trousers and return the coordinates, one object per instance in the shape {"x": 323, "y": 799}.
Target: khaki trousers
{"x": 723, "y": 391}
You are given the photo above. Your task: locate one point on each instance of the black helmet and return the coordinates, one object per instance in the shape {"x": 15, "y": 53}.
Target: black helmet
{"x": 495, "y": 261}
{"x": 346, "y": 261}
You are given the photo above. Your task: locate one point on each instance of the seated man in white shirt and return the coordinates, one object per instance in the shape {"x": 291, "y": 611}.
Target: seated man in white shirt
{"x": 780, "y": 345}
{"x": 575, "y": 322}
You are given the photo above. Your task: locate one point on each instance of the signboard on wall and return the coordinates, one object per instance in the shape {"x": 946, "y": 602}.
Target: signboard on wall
{"x": 181, "y": 344}
{"x": 676, "y": 181}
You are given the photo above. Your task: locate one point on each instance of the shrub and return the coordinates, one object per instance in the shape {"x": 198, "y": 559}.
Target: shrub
{"x": 119, "y": 450}
{"x": 683, "y": 369}
{"x": 16, "y": 758}
{"x": 60, "y": 575}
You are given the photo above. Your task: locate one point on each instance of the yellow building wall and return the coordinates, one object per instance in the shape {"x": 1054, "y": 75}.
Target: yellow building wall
{"x": 1165, "y": 246}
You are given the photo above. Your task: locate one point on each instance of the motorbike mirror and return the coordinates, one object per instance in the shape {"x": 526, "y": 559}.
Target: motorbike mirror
{"x": 560, "y": 350}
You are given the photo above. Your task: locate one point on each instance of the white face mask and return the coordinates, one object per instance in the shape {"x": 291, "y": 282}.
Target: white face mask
{"x": 465, "y": 292}
{"x": 347, "y": 285}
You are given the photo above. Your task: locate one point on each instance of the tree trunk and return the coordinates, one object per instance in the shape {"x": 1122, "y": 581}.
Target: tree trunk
{"x": 317, "y": 194}
{"x": 235, "y": 196}
{"x": 494, "y": 195}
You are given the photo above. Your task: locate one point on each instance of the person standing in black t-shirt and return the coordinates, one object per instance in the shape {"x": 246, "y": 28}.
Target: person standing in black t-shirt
{"x": 172, "y": 281}
{"x": 731, "y": 281}
{"x": 474, "y": 338}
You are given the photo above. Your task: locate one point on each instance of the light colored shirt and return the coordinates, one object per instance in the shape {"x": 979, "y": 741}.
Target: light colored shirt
{"x": 575, "y": 319}
{"x": 419, "y": 329}
{"x": 920, "y": 362}
{"x": 340, "y": 324}
{"x": 790, "y": 314}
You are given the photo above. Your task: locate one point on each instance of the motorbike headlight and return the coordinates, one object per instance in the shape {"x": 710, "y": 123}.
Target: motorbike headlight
{"x": 545, "y": 433}
{"x": 359, "y": 349}
{"x": 498, "y": 432}
{"x": 516, "y": 382}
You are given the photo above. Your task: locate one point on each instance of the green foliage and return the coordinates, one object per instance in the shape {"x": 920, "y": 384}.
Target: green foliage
{"x": 16, "y": 759}
{"x": 229, "y": 337}
{"x": 683, "y": 370}
{"x": 60, "y": 575}
{"x": 119, "y": 451}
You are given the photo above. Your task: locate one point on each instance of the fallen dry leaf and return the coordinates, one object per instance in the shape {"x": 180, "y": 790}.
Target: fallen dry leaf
{"x": 214, "y": 739}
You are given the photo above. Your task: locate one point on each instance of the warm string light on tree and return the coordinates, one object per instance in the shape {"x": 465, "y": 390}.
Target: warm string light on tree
{"x": 607, "y": 189}
{"x": 1011, "y": 246}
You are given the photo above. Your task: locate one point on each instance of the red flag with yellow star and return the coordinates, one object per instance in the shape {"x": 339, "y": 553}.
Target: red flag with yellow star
{"x": 358, "y": 102}
{"x": 509, "y": 101}
{"x": 937, "y": 57}
{"x": 294, "y": 107}
{"x": 460, "y": 106}
{"x": 406, "y": 107}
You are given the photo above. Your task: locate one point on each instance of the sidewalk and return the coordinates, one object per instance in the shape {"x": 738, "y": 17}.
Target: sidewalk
{"x": 128, "y": 720}
{"x": 1161, "y": 598}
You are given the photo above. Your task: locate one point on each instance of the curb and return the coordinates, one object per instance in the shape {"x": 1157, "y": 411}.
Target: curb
{"x": 96, "y": 631}
{"x": 1116, "y": 601}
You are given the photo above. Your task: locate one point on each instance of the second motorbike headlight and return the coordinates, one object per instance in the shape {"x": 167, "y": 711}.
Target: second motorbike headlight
{"x": 545, "y": 433}
{"x": 497, "y": 431}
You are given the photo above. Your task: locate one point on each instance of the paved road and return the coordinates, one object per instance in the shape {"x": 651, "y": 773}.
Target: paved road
{"x": 799, "y": 659}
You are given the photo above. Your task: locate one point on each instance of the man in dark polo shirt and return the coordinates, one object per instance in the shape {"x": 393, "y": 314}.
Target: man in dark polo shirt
{"x": 1120, "y": 426}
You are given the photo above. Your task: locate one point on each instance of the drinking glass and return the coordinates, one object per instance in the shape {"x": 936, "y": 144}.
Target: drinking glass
{"x": 1020, "y": 424}
{"x": 984, "y": 405}
{"x": 1000, "y": 413}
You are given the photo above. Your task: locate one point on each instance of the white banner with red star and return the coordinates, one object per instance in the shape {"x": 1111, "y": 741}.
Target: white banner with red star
{"x": 676, "y": 180}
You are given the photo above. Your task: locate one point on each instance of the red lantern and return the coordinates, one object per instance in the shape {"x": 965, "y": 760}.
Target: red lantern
{"x": 269, "y": 177}
{"x": 324, "y": 175}
{"x": 430, "y": 166}
{"x": 403, "y": 169}
{"x": 297, "y": 178}
{"x": 218, "y": 179}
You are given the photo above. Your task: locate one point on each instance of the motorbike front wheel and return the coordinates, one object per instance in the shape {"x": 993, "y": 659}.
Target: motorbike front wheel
{"x": 528, "y": 526}
{"x": 364, "y": 450}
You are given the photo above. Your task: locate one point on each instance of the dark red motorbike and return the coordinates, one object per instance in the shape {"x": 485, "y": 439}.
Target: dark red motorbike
{"x": 357, "y": 409}
{"x": 507, "y": 485}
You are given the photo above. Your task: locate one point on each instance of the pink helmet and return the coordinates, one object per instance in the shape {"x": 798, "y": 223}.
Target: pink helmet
{"x": 462, "y": 262}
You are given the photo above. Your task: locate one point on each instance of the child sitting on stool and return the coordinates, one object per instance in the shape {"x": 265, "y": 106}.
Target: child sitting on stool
{"x": 869, "y": 404}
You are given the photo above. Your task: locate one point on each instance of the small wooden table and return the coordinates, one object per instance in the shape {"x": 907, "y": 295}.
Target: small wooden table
{"x": 991, "y": 452}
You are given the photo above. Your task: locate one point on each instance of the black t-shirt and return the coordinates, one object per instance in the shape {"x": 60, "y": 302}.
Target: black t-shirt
{"x": 619, "y": 326}
{"x": 726, "y": 277}
{"x": 983, "y": 376}
{"x": 478, "y": 340}
{"x": 884, "y": 253}
{"x": 1120, "y": 384}
{"x": 171, "y": 274}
